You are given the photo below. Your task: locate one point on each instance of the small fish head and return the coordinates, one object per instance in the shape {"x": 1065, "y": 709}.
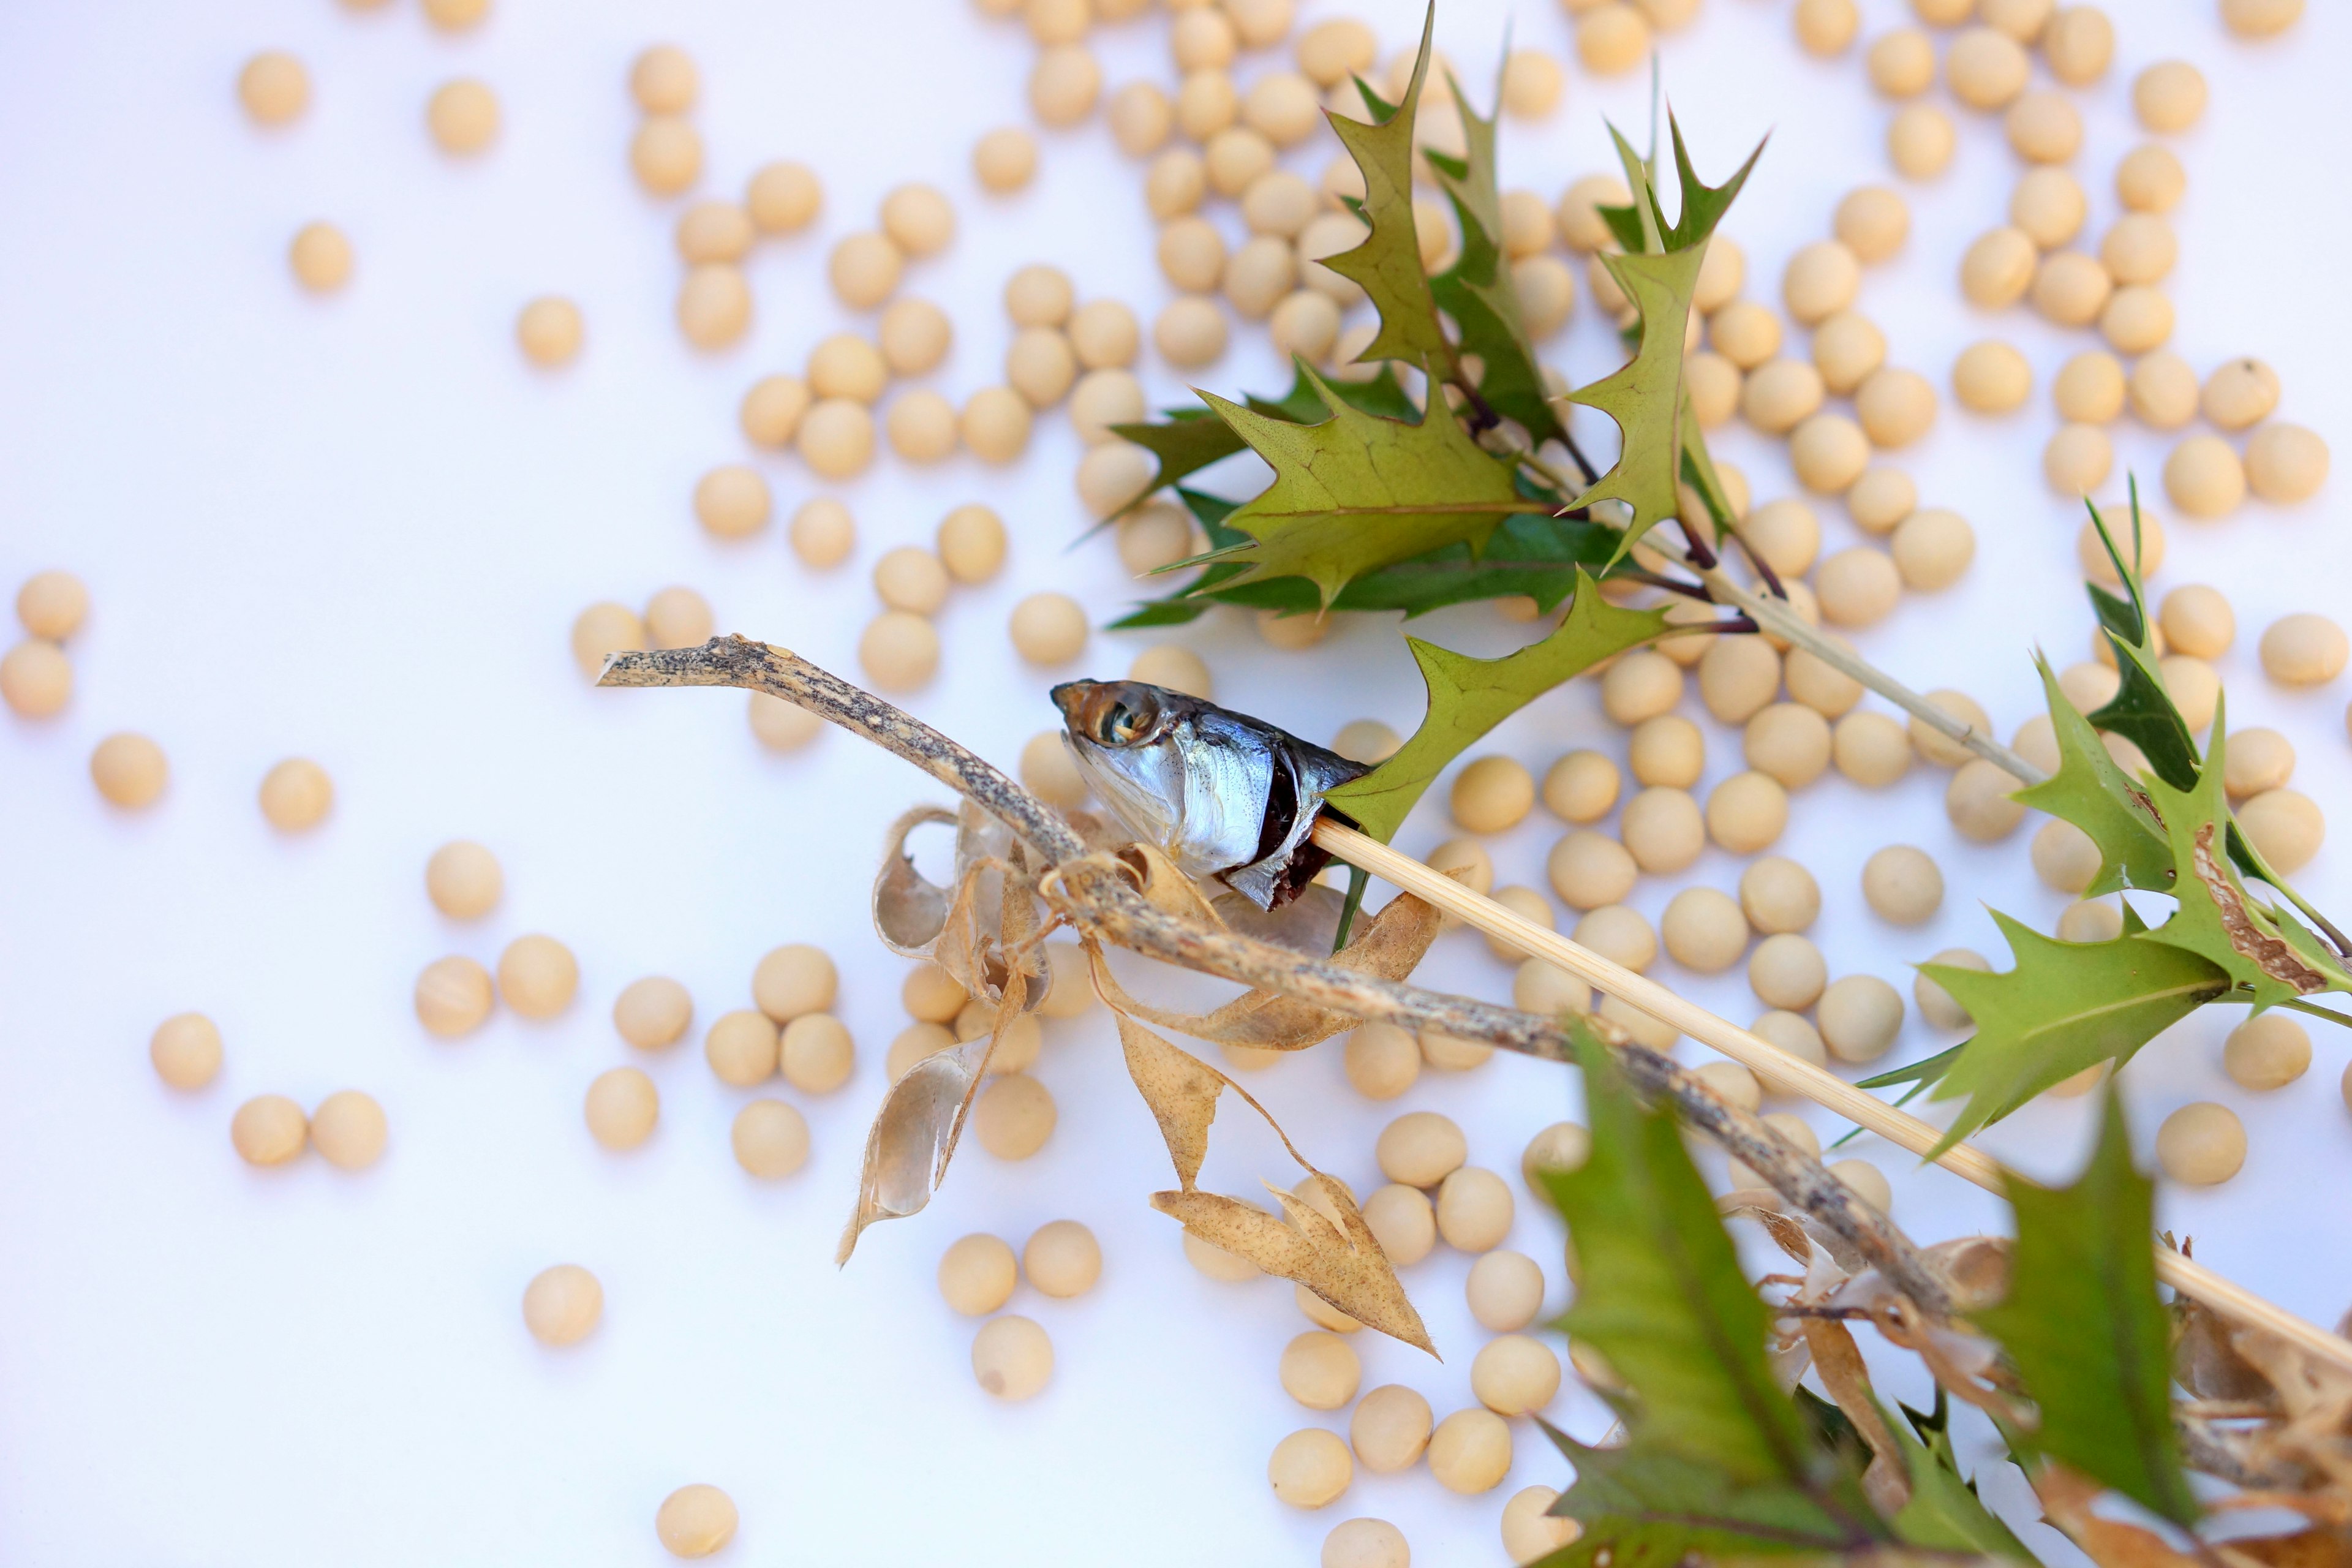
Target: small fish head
{"x": 1113, "y": 714}
{"x": 1121, "y": 734}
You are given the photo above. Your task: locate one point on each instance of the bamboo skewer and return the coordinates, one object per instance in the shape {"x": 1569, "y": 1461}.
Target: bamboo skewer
{"x": 1753, "y": 1051}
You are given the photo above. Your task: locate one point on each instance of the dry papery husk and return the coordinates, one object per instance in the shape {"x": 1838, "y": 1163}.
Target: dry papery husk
{"x": 985, "y": 929}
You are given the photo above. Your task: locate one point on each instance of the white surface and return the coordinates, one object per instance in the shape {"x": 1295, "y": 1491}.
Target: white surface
{"x": 358, "y": 528}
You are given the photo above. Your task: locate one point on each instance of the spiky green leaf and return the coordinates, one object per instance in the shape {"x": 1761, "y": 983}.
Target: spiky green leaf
{"x": 1468, "y": 697}
{"x": 2062, "y": 1006}
{"x": 1718, "y": 1460}
{"x": 2092, "y": 1343}
{"x": 1357, "y": 492}
{"x": 1387, "y": 266}
{"x": 2095, "y": 794}
{"x": 1191, "y": 439}
{"x": 1944, "y": 1513}
{"x": 2216, "y": 918}
{"x": 2142, "y": 711}
{"x": 1477, "y": 290}
{"x": 1645, "y": 394}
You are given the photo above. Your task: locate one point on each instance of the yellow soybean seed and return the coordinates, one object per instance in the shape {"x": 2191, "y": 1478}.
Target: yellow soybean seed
{"x": 1847, "y": 348}
{"x": 1382, "y": 1060}
{"x": 296, "y": 796}
{"x": 562, "y": 1305}
{"x": 664, "y": 80}
{"x": 1063, "y": 1259}
{"x": 784, "y": 197}
{"x": 1389, "y": 1428}
{"x": 714, "y": 305}
{"x": 2168, "y": 96}
{"x": 1747, "y": 812}
{"x": 1665, "y": 750}
{"x": 2240, "y": 393}
{"x": 741, "y": 1047}
{"x": 1514, "y": 1375}
{"x": 1978, "y": 802}
{"x": 1936, "y": 1004}
{"x": 666, "y": 154}
{"x": 130, "y": 770}
{"x": 1048, "y": 628}
{"x": 995, "y": 424}
{"x": 1860, "y": 1017}
{"x": 623, "y": 1106}
{"x": 695, "y": 1521}
{"x": 1320, "y": 1369}
{"x": 1858, "y": 587}
{"x": 1404, "y": 1222}
{"x": 51, "y": 605}
{"x": 268, "y": 1130}
{"x": 1421, "y": 1149}
{"x": 1663, "y": 830}
{"x": 320, "y": 257}
{"x": 2286, "y": 464}
{"x": 186, "y": 1050}
{"x": 1470, "y": 1450}
{"x": 537, "y": 977}
{"x": 1901, "y": 63}
{"x": 1873, "y": 221}
{"x": 1063, "y": 84}
{"x": 2259, "y": 760}
{"x": 1014, "y": 1117}
{"x": 1990, "y": 377}
{"x": 1365, "y": 1543}
{"x": 1933, "y": 548}
{"x": 770, "y": 1138}
{"x": 844, "y": 365}
{"x": 2043, "y": 127}
{"x": 2260, "y": 18}
{"x": 2285, "y": 826}
{"x": 1985, "y": 69}
{"x": 2071, "y": 289}
{"x": 1309, "y": 1468}
{"x": 652, "y": 1014}
{"x": 1492, "y": 794}
{"x": 1786, "y": 971}
{"x": 2266, "y": 1052}
{"x": 2077, "y": 458}
{"x": 2149, "y": 179}
{"x": 1920, "y": 141}
{"x": 2203, "y": 478}
{"x": 1474, "y": 1210}
{"x": 1895, "y": 406}
{"x": 2077, "y": 44}
{"x": 1820, "y": 281}
{"x": 1777, "y": 895}
{"x": 1997, "y": 269}
{"x": 678, "y": 617}
{"x": 1141, "y": 119}
{"x": 1620, "y": 934}
{"x": 549, "y": 330}
{"x": 464, "y": 879}
{"x": 976, "y": 1275}
{"x": 2048, "y": 206}
{"x": 1866, "y": 1181}
{"x": 2304, "y": 650}
{"x": 1825, "y": 28}
{"x": 463, "y": 116}
{"x": 274, "y": 87}
{"x": 816, "y": 1054}
{"x": 863, "y": 269}
{"x": 2201, "y": 1145}
{"x": 918, "y": 219}
{"x": 1704, "y": 930}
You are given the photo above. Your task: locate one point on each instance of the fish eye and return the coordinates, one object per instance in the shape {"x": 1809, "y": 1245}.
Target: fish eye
{"x": 1127, "y": 720}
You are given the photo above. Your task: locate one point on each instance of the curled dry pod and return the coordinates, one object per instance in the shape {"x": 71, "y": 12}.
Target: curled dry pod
{"x": 955, "y": 926}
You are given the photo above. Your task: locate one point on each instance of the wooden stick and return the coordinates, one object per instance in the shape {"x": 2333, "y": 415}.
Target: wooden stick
{"x": 1753, "y": 1051}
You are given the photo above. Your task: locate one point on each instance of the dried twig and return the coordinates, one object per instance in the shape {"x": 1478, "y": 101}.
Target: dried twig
{"x": 1094, "y": 892}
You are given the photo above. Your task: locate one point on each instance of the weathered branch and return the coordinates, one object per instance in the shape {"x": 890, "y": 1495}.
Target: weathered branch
{"x": 1095, "y": 893}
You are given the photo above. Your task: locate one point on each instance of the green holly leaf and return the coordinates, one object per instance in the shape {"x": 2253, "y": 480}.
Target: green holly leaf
{"x": 2142, "y": 711}
{"x": 2095, "y": 794}
{"x": 1357, "y": 492}
{"x": 1718, "y": 1461}
{"x": 1468, "y": 697}
{"x": 1477, "y": 290}
{"x": 2092, "y": 1343}
{"x": 1191, "y": 439}
{"x": 1530, "y": 555}
{"x": 2216, "y": 916}
{"x": 1387, "y": 266}
{"x": 1945, "y": 1512}
{"x": 1642, "y": 1507}
{"x": 1644, "y": 396}
{"x": 2062, "y": 1008}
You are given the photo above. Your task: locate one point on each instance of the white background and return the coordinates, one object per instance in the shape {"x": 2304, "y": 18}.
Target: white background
{"x": 358, "y": 528}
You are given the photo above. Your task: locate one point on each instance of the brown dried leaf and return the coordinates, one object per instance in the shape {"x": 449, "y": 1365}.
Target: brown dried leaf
{"x": 1165, "y": 888}
{"x": 1341, "y": 1263}
{"x": 1838, "y": 1359}
{"x": 2305, "y": 1548}
{"x": 1389, "y": 946}
{"x": 908, "y": 910}
{"x": 2205, "y": 1359}
{"x": 2067, "y": 1499}
{"x": 915, "y": 1134}
{"x": 1975, "y": 1268}
{"x": 1181, "y": 1090}
{"x": 1786, "y": 1233}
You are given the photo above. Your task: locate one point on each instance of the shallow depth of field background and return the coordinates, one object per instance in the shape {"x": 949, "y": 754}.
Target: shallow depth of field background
{"x": 357, "y": 527}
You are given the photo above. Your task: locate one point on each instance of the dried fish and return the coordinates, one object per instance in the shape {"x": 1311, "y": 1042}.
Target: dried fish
{"x": 1227, "y": 797}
